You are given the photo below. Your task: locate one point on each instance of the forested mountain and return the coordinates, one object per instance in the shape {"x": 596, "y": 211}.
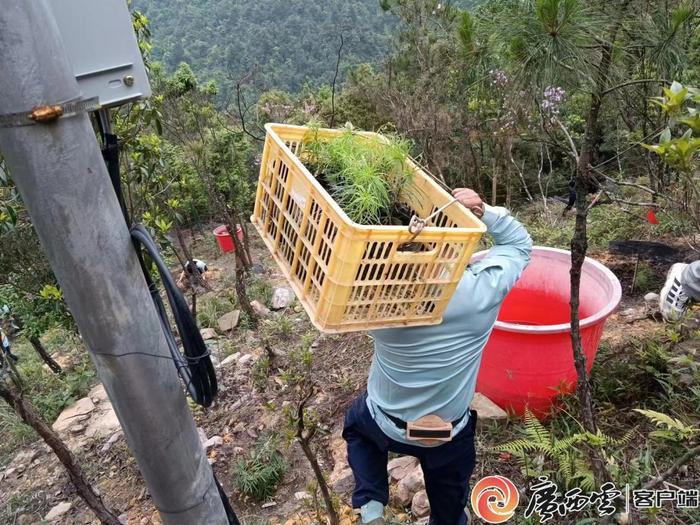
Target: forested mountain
{"x": 291, "y": 41}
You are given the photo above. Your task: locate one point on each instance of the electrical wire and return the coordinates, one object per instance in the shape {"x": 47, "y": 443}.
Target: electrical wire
{"x": 194, "y": 367}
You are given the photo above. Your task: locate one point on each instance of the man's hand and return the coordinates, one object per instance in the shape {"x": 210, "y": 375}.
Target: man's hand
{"x": 470, "y": 200}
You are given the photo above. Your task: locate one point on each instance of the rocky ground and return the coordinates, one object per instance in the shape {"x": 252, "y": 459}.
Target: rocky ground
{"x": 36, "y": 489}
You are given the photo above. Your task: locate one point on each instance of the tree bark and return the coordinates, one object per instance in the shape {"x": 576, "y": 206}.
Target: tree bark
{"x": 242, "y": 293}
{"x": 39, "y": 347}
{"x": 30, "y": 416}
{"x": 579, "y": 243}
{"x": 304, "y": 439}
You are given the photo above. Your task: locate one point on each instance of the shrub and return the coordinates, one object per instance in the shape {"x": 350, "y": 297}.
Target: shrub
{"x": 259, "y": 474}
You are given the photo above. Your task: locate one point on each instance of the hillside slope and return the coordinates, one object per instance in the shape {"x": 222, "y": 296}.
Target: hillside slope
{"x": 292, "y": 41}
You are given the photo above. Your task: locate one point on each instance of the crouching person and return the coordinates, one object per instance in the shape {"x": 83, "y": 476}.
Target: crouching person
{"x": 422, "y": 381}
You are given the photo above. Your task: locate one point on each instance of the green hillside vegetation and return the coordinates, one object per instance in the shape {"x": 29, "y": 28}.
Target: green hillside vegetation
{"x": 291, "y": 41}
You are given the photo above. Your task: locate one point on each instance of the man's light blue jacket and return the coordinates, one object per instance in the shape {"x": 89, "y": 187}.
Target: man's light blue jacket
{"x": 424, "y": 370}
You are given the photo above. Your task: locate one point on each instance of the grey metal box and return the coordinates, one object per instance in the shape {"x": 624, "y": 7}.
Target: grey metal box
{"x": 101, "y": 43}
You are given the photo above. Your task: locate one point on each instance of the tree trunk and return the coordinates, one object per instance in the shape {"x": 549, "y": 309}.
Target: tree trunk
{"x": 246, "y": 239}
{"x": 30, "y": 416}
{"x": 242, "y": 293}
{"x": 304, "y": 439}
{"x": 579, "y": 243}
{"x": 494, "y": 182}
{"x": 193, "y": 276}
{"x": 39, "y": 347}
{"x": 321, "y": 480}
{"x": 241, "y": 253}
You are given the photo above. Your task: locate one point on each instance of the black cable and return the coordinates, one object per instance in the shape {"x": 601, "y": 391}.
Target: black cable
{"x": 230, "y": 514}
{"x": 197, "y": 371}
{"x": 194, "y": 367}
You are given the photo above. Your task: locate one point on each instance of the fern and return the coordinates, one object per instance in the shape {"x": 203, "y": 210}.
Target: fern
{"x": 675, "y": 429}
{"x": 572, "y": 464}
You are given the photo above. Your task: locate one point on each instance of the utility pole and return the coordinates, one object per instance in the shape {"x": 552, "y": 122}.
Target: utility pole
{"x": 61, "y": 176}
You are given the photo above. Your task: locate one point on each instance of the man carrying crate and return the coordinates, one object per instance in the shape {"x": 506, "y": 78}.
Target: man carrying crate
{"x": 422, "y": 382}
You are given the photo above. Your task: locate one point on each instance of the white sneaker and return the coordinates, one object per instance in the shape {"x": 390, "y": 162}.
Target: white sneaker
{"x": 673, "y": 300}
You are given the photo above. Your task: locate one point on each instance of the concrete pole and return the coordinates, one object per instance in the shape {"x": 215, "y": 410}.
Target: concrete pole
{"x": 61, "y": 176}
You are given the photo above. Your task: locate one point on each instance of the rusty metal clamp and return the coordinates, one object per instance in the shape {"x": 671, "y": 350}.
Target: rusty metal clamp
{"x": 48, "y": 113}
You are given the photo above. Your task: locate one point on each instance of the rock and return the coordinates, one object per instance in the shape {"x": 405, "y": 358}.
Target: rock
{"x": 399, "y": 468}
{"x": 77, "y": 429}
{"x": 629, "y": 312}
{"x": 238, "y": 451}
{"x": 302, "y": 495}
{"x": 123, "y": 519}
{"x": 259, "y": 308}
{"x": 230, "y": 359}
{"x": 23, "y": 458}
{"x": 103, "y": 423}
{"x": 408, "y": 487}
{"x": 282, "y": 298}
{"x": 246, "y": 359}
{"x": 420, "y": 506}
{"x": 58, "y": 511}
{"x": 487, "y": 409}
{"x": 240, "y": 427}
{"x": 229, "y": 321}
{"x": 213, "y": 441}
{"x": 111, "y": 441}
{"x": 98, "y": 394}
{"x": 651, "y": 298}
{"x": 268, "y": 505}
{"x": 342, "y": 481}
{"x": 208, "y": 333}
{"x": 67, "y": 418}
{"x": 252, "y": 433}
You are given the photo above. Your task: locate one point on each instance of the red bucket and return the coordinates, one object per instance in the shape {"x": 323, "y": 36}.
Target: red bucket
{"x": 223, "y": 237}
{"x": 528, "y": 360}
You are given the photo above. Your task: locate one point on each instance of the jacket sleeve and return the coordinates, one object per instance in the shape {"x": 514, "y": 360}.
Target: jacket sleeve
{"x": 497, "y": 273}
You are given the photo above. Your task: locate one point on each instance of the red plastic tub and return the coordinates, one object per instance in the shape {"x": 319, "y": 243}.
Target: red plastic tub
{"x": 528, "y": 360}
{"x": 223, "y": 237}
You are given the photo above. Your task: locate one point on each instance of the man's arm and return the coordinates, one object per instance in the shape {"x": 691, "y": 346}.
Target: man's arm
{"x": 505, "y": 262}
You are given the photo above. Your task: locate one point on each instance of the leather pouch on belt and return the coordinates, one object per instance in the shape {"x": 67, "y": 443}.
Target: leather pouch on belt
{"x": 429, "y": 430}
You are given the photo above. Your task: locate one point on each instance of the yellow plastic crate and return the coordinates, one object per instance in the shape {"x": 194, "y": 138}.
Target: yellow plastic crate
{"x": 351, "y": 277}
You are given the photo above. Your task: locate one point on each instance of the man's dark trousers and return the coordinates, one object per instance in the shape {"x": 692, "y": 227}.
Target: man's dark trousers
{"x": 446, "y": 468}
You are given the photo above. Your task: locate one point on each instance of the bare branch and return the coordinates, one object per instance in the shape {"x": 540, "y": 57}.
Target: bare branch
{"x": 574, "y": 151}
{"x": 633, "y": 82}
{"x": 239, "y": 105}
{"x": 689, "y": 455}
